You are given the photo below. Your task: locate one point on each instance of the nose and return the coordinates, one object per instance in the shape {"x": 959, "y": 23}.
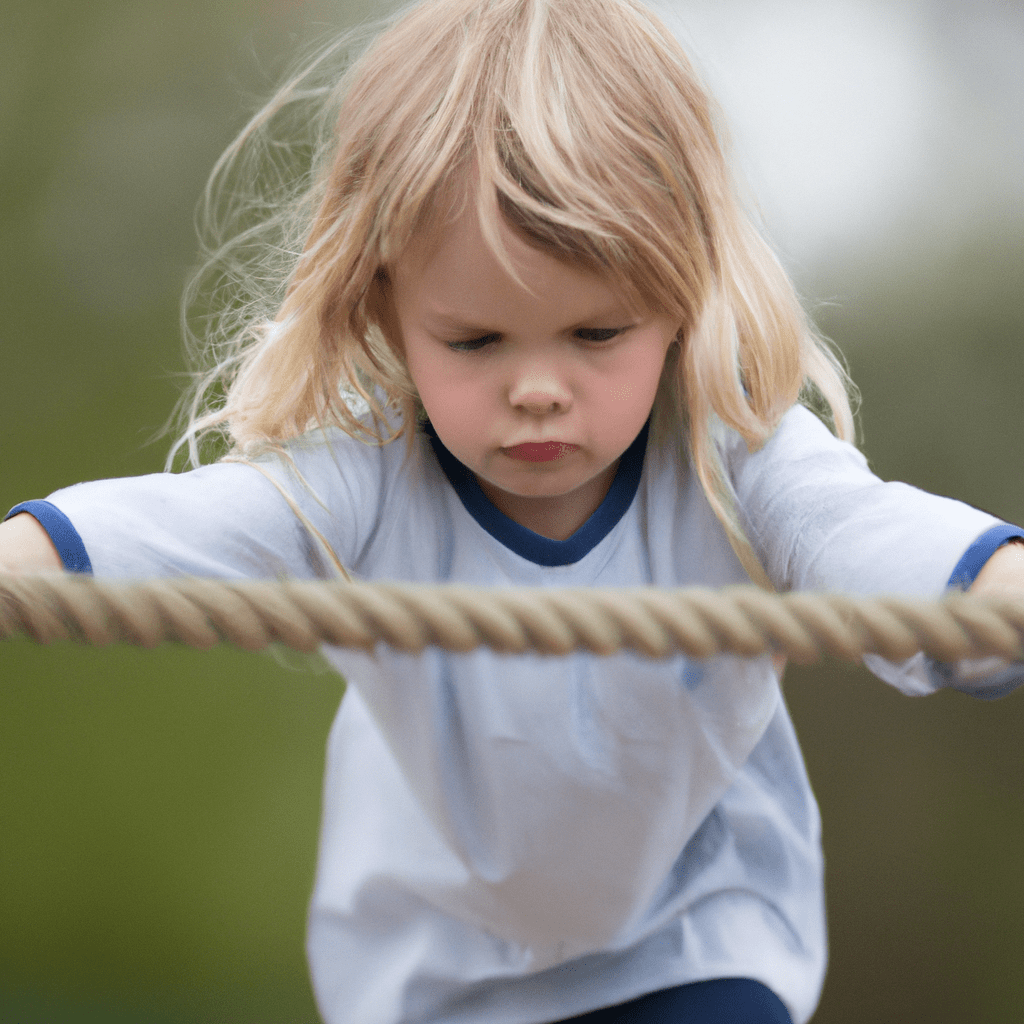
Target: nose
{"x": 540, "y": 391}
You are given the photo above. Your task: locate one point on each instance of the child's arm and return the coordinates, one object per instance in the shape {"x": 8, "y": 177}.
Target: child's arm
{"x": 819, "y": 519}
{"x": 1002, "y": 573}
{"x": 26, "y": 547}
{"x": 287, "y": 516}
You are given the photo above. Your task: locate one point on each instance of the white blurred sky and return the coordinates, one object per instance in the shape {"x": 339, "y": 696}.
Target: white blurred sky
{"x": 865, "y": 128}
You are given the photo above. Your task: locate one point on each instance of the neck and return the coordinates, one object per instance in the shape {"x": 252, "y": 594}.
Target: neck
{"x": 557, "y": 517}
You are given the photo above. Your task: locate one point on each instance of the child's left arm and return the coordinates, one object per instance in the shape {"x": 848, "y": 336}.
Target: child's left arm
{"x": 819, "y": 519}
{"x": 1003, "y": 573}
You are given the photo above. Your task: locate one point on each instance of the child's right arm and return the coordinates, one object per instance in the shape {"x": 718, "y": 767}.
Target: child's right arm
{"x": 26, "y": 547}
{"x": 273, "y": 518}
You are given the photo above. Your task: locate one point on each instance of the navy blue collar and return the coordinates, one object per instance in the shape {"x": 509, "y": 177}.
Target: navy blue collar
{"x": 533, "y": 546}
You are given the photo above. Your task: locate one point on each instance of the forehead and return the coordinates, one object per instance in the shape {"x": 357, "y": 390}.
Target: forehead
{"x": 451, "y": 263}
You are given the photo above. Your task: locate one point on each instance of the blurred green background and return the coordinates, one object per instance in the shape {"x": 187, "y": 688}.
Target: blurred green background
{"x": 158, "y": 813}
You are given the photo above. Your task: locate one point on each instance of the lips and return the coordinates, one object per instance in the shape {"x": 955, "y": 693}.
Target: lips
{"x": 543, "y": 451}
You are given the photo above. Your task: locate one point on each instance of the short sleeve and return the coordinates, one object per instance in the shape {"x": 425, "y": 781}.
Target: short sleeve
{"x": 226, "y": 520}
{"x": 66, "y": 539}
{"x": 819, "y": 519}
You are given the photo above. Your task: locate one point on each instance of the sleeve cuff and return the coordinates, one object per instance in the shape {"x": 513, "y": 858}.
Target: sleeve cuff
{"x": 64, "y": 536}
{"x": 987, "y": 678}
{"x": 974, "y": 558}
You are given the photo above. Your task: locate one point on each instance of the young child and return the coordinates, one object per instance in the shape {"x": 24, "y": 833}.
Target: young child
{"x": 524, "y": 258}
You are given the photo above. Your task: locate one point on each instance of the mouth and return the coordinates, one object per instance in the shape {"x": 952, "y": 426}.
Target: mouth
{"x": 543, "y": 451}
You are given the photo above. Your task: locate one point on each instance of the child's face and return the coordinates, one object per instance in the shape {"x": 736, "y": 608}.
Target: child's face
{"x": 570, "y": 371}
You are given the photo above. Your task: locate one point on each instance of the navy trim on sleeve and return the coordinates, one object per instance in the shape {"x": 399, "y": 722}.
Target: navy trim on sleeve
{"x": 1003, "y": 680}
{"x": 975, "y": 557}
{"x": 64, "y": 536}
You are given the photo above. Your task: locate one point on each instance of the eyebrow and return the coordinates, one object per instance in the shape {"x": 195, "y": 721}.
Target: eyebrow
{"x": 453, "y": 323}
{"x": 450, "y": 322}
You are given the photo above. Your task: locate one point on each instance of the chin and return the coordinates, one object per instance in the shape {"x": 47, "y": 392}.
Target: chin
{"x": 529, "y": 488}
{"x": 542, "y": 490}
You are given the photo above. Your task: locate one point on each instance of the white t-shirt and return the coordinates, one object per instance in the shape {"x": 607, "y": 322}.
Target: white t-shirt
{"x": 522, "y": 839}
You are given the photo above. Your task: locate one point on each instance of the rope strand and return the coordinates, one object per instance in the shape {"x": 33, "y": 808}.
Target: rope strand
{"x": 653, "y": 622}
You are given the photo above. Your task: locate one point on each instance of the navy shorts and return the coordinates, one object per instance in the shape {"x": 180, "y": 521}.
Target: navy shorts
{"x": 721, "y": 1001}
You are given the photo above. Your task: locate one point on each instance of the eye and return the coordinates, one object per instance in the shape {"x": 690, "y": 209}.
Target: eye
{"x": 474, "y": 345}
{"x": 599, "y": 333}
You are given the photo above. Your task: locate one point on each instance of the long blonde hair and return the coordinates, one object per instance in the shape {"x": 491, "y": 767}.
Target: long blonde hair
{"x": 583, "y": 125}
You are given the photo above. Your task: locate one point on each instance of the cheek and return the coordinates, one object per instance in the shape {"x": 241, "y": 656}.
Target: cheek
{"x": 455, "y": 404}
{"x": 427, "y": 373}
{"x": 633, "y": 382}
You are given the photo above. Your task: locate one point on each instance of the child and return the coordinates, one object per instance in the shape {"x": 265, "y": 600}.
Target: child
{"x": 525, "y": 259}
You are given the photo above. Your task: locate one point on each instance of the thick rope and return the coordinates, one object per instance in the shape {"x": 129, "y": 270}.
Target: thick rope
{"x": 694, "y": 621}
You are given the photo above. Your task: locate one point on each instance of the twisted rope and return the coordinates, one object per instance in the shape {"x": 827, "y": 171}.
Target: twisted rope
{"x": 694, "y": 621}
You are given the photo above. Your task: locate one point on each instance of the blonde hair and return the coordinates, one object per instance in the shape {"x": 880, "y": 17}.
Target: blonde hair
{"x": 579, "y": 122}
